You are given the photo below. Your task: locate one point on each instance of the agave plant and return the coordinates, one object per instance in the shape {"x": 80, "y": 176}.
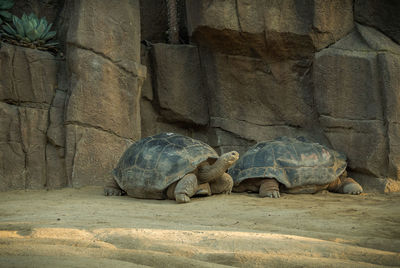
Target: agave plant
{"x": 30, "y": 31}
{"x": 4, "y": 5}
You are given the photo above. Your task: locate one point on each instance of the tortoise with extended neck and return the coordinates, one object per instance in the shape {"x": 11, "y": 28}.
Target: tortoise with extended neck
{"x": 291, "y": 165}
{"x": 171, "y": 166}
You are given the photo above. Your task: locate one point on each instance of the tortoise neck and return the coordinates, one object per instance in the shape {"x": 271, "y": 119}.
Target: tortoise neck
{"x": 207, "y": 173}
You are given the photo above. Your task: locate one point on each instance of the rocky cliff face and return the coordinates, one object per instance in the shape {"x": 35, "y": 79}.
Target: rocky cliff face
{"x": 322, "y": 69}
{"x": 246, "y": 71}
{"x": 66, "y": 119}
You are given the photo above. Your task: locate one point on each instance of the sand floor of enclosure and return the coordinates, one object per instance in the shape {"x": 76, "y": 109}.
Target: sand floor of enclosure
{"x": 83, "y": 228}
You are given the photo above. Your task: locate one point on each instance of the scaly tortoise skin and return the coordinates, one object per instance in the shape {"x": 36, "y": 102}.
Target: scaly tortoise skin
{"x": 291, "y": 165}
{"x": 169, "y": 165}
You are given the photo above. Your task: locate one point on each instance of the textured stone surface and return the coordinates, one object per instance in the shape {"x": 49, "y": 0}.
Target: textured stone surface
{"x": 389, "y": 66}
{"x": 153, "y": 123}
{"x": 91, "y": 155}
{"x": 383, "y": 15}
{"x": 12, "y": 156}
{"x": 269, "y": 29}
{"x": 102, "y": 113}
{"x": 102, "y": 94}
{"x": 56, "y": 131}
{"x": 357, "y": 97}
{"x": 27, "y": 89}
{"x": 27, "y": 75}
{"x": 23, "y": 142}
{"x": 253, "y": 91}
{"x": 180, "y": 90}
{"x": 107, "y": 28}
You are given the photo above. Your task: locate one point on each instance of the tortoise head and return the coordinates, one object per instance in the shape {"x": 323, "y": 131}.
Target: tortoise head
{"x": 230, "y": 158}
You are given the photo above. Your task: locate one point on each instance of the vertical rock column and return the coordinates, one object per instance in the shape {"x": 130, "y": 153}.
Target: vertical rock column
{"x": 28, "y": 85}
{"x": 358, "y": 99}
{"x": 102, "y": 114}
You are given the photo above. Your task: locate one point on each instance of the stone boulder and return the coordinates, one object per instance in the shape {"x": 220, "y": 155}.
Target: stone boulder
{"x": 179, "y": 88}
{"x": 269, "y": 29}
{"x": 102, "y": 112}
{"x": 357, "y": 97}
{"x": 255, "y": 101}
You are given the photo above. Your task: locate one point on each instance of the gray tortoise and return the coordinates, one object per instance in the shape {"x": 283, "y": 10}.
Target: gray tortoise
{"x": 171, "y": 166}
{"x": 291, "y": 165}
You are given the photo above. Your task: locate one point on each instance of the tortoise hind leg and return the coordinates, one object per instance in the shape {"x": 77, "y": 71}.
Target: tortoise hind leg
{"x": 345, "y": 185}
{"x": 112, "y": 188}
{"x": 269, "y": 188}
{"x": 186, "y": 188}
{"x": 222, "y": 185}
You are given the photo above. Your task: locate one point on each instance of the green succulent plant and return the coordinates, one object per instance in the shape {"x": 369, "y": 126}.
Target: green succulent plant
{"x": 30, "y": 31}
{"x": 4, "y": 6}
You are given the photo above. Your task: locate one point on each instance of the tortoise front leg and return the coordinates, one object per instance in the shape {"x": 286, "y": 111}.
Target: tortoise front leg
{"x": 269, "y": 188}
{"x": 186, "y": 188}
{"x": 203, "y": 190}
{"x": 222, "y": 185}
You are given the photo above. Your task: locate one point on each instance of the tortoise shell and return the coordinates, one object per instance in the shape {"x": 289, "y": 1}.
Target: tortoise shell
{"x": 150, "y": 165}
{"x": 291, "y": 161}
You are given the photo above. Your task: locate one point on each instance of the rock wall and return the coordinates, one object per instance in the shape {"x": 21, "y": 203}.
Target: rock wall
{"x": 65, "y": 120}
{"x": 321, "y": 69}
{"x": 245, "y": 71}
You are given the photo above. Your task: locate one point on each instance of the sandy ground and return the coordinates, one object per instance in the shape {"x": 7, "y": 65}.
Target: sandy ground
{"x": 83, "y": 228}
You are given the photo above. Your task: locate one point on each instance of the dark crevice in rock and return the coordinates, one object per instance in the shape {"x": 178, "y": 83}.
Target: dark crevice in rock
{"x": 24, "y": 150}
{"x": 283, "y": 124}
{"x": 116, "y": 63}
{"x": 238, "y": 16}
{"x": 236, "y": 136}
{"x": 48, "y": 139}
{"x": 171, "y": 116}
{"x": 351, "y": 119}
{"x": 204, "y": 79}
{"x": 152, "y": 61}
{"x": 86, "y": 125}
{"x": 383, "y": 96}
{"x": 27, "y": 104}
{"x": 71, "y": 175}
{"x": 13, "y": 76}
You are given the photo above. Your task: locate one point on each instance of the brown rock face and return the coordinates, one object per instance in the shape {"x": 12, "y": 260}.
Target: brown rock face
{"x": 27, "y": 90}
{"x": 253, "y": 71}
{"x": 102, "y": 109}
{"x": 288, "y": 68}
{"x": 66, "y": 122}
{"x": 357, "y": 98}
{"x": 180, "y": 90}
{"x": 269, "y": 29}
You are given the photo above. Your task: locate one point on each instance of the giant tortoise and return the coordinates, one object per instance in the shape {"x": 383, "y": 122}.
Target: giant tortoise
{"x": 291, "y": 165}
{"x": 171, "y": 166}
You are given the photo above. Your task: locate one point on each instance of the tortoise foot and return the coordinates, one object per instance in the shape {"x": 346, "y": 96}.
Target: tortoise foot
{"x": 182, "y": 198}
{"x": 350, "y": 186}
{"x": 272, "y": 194}
{"x": 269, "y": 188}
{"x": 111, "y": 191}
